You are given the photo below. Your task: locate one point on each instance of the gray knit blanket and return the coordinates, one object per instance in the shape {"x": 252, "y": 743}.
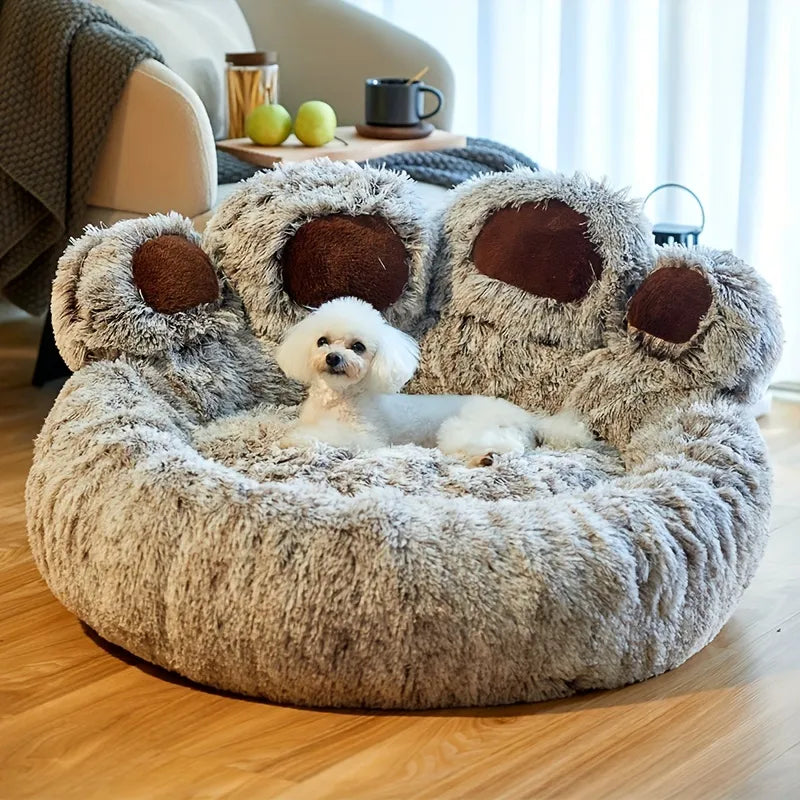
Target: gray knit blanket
{"x": 451, "y": 167}
{"x": 63, "y": 65}
{"x": 441, "y": 167}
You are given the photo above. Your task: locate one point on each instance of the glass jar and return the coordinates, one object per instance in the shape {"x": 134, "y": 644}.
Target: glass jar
{"x": 252, "y": 79}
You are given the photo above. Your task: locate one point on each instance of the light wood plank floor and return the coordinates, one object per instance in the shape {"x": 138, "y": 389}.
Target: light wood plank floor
{"x": 79, "y": 719}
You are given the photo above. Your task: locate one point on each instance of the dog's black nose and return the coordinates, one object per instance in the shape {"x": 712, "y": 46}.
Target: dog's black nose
{"x": 333, "y": 359}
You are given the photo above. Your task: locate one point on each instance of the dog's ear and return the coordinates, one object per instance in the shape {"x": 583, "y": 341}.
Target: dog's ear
{"x": 395, "y": 361}
{"x": 292, "y": 354}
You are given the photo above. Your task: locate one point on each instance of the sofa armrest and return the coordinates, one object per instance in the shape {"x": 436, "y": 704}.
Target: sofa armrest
{"x": 328, "y": 47}
{"x": 159, "y": 153}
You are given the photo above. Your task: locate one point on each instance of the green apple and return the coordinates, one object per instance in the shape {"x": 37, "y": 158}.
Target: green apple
{"x": 315, "y": 123}
{"x": 268, "y": 124}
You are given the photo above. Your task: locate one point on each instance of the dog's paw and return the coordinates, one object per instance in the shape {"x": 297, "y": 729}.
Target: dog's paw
{"x": 565, "y": 430}
{"x": 484, "y": 460}
{"x": 299, "y": 438}
{"x": 474, "y": 460}
{"x": 487, "y": 427}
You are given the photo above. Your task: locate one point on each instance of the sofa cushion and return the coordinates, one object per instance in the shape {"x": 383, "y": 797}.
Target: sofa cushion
{"x": 193, "y": 36}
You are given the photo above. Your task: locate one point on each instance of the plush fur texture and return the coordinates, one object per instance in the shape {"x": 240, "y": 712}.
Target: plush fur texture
{"x": 247, "y": 235}
{"x": 509, "y": 341}
{"x": 205, "y": 357}
{"x": 163, "y": 512}
{"x": 732, "y": 353}
{"x": 98, "y": 310}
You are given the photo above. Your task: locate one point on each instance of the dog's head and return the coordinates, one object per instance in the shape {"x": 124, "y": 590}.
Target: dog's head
{"x": 346, "y": 343}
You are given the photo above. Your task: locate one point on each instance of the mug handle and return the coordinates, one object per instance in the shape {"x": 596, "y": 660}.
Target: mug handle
{"x": 434, "y": 92}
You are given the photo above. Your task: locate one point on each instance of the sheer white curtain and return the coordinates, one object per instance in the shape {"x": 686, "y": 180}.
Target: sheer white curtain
{"x": 702, "y": 92}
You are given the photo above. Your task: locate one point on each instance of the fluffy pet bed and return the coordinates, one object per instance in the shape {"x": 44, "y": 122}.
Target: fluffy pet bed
{"x": 162, "y": 513}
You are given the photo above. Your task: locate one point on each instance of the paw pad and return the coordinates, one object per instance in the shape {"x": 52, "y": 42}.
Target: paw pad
{"x": 174, "y": 274}
{"x": 297, "y": 235}
{"x": 140, "y": 287}
{"x": 343, "y": 256}
{"x": 670, "y": 304}
{"x": 542, "y": 248}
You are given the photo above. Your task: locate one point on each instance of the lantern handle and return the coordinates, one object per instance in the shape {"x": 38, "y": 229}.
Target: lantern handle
{"x": 685, "y": 189}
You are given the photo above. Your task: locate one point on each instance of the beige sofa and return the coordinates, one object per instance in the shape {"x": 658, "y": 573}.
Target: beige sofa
{"x": 159, "y": 154}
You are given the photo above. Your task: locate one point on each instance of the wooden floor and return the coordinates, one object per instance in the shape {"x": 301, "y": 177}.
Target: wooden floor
{"x": 81, "y": 720}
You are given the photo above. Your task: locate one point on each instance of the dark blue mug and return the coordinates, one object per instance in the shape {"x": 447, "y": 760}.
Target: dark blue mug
{"x": 394, "y": 101}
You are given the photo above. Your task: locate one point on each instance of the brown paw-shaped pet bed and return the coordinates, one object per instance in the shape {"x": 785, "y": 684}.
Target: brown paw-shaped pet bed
{"x": 163, "y": 513}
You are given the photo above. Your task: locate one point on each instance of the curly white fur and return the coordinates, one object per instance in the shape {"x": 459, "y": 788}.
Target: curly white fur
{"x": 354, "y": 363}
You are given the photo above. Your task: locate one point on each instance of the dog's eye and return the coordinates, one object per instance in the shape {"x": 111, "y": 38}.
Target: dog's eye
{"x": 357, "y": 347}
{"x": 321, "y": 341}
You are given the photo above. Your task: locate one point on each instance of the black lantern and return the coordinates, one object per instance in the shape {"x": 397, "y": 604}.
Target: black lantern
{"x": 673, "y": 232}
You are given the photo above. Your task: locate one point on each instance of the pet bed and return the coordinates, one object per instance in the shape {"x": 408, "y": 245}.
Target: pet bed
{"x": 163, "y": 514}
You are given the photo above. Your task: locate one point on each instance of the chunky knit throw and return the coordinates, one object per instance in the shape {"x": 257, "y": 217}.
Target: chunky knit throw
{"x": 63, "y": 65}
{"x": 440, "y": 167}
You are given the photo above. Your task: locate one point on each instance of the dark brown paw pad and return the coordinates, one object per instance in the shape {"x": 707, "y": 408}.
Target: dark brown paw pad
{"x": 293, "y": 237}
{"x": 342, "y": 256}
{"x": 141, "y": 287}
{"x": 174, "y": 274}
{"x": 714, "y": 313}
{"x": 671, "y": 304}
{"x": 542, "y": 248}
{"x": 538, "y": 259}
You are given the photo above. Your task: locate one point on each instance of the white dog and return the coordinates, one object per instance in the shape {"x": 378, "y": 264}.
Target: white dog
{"x": 354, "y": 363}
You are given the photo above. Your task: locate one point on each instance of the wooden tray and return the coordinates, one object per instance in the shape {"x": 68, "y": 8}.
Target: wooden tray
{"x": 358, "y": 148}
